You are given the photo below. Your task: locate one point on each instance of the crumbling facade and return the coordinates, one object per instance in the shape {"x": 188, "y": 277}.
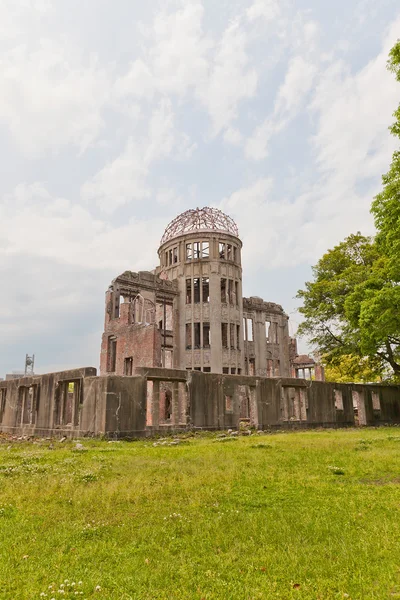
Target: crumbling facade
{"x": 154, "y": 400}
{"x": 189, "y": 313}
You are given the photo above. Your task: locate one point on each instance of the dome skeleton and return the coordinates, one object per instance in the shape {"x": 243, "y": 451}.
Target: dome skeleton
{"x": 200, "y": 219}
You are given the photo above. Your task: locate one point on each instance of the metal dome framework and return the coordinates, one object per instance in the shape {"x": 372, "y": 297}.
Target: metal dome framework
{"x": 200, "y": 219}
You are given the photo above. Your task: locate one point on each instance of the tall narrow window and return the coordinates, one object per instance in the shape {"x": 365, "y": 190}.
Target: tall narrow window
{"x": 206, "y": 289}
{"x": 232, "y": 335}
{"x": 196, "y": 290}
{"x": 223, "y": 290}
{"x": 128, "y": 365}
{"x": 196, "y": 249}
{"x": 267, "y": 328}
{"x": 205, "y": 249}
{"x": 189, "y": 252}
{"x": 237, "y": 293}
{"x": 188, "y": 336}
{"x": 224, "y": 334}
{"x": 206, "y": 335}
{"x": 238, "y": 337}
{"x": 197, "y": 335}
{"x": 249, "y": 330}
{"x": 175, "y": 255}
{"x": 112, "y": 354}
{"x": 229, "y": 252}
{"x": 221, "y": 250}
{"x": 169, "y": 257}
{"x": 188, "y": 291}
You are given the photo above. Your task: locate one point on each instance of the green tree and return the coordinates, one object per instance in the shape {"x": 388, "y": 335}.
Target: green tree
{"x": 352, "y": 307}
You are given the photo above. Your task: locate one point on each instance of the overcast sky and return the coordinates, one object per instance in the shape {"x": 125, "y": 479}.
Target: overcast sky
{"x": 115, "y": 116}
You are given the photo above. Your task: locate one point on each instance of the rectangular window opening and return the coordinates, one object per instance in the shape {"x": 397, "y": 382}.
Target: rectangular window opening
{"x": 232, "y": 336}
{"x": 175, "y": 255}
{"x": 206, "y": 289}
{"x": 188, "y": 336}
{"x": 196, "y": 290}
{"x": 196, "y": 250}
{"x": 223, "y": 290}
{"x": 376, "y": 402}
{"x": 188, "y": 291}
{"x": 267, "y": 328}
{"x": 197, "y": 335}
{"x": 249, "y": 330}
{"x": 338, "y": 396}
{"x": 221, "y": 248}
{"x": 225, "y": 370}
{"x": 128, "y": 366}
{"x": 205, "y": 250}
{"x": 189, "y": 252}
{"x": 206, "y": 335}
{"x": 112, "y": 354}
{"x": 229, "y": 254}
{"x": 224, "y": 334}
{"x": 238, "y": 337}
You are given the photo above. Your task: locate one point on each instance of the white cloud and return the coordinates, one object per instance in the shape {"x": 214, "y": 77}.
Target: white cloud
{"x": 266, "y": 9}
{"x": 49, "y": 97}
{"x": 125, "y": 179}
{"x": 290, "y": 97}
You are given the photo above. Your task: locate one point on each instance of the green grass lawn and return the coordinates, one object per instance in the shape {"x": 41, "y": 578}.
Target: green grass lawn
{"x": 291, "y": 515}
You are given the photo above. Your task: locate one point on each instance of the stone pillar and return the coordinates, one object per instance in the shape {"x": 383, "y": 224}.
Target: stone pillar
{"x": 175, "y": 403}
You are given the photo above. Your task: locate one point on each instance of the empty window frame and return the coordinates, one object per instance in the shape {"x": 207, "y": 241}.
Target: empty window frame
{"x": 112, "y": 354}
{"x": 221, "y": 249}
{"x": 188, "y": 336}
{"x": 223, "y": 291}
{"x": 196, "y": 290}
{"x": 197, "y": 342}
{"x": 189, "y": 252}
{"x": 128, "y": 366}
{"x": 238, "y": 337}
{"x": 376, "y": 402}
{"x": 231, "y": 292}
{"x": 206, "y": 335}
{"x": 249, "y": 328}
{"x": 175, "y": 255}
{"x": 188, "y": 291}
{"x": 196, "y": 250}
{"x": 206, "y": 369}
{"x": 252, "y": 367}
{"x": 170, "y": 257}
{"x": 206, "y": 289}
{"x": 338, "y": 396}
{"x": 232, "y": 336}
{"x": 267, "y": 329}
{"x": 233, "y": 370}
{"x": 229, "y": 252}
{"x": 205, "y": 249}
{"x": 225, "y": 370}
{"x": 224, "y": 334}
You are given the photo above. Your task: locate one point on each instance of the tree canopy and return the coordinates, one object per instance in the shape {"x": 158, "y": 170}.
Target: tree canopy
{"x": 352, "y": 306}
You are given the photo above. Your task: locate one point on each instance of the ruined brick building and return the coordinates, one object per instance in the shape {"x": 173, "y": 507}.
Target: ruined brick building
{"x": 189, "y": 312}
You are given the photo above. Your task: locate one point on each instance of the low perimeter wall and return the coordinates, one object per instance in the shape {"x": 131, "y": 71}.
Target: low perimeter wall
{"x": 78, "y": 403}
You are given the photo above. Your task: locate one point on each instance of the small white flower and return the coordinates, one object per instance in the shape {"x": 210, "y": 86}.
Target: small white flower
{"x": 97, "y": 588}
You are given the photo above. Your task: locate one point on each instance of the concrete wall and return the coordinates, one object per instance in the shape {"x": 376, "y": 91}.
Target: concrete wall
{"x": 134, "y": 406}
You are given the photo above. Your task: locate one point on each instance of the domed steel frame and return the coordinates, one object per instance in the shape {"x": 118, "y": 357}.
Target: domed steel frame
{"x": 200, "y": 219}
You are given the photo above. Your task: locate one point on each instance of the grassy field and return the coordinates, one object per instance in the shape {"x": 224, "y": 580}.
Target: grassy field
{"x": 289, "y": 515}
